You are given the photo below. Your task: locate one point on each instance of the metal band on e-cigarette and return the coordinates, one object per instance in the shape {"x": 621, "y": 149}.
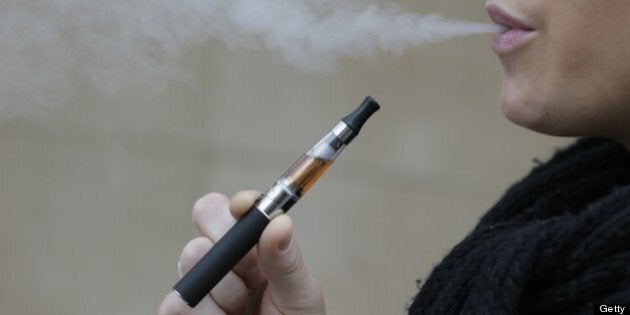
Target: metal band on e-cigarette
{"x": 277, "y": 200}
{"x": 343, "y": 132}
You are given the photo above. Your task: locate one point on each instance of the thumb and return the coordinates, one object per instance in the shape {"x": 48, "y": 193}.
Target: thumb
{"x": 291, "y": 286}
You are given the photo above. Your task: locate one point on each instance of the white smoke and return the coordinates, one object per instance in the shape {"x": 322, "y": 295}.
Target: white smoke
{"x": 47, "y": 46}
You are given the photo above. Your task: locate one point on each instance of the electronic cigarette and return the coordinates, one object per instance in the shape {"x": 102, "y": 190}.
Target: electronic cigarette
{"x": 286, "y": 191}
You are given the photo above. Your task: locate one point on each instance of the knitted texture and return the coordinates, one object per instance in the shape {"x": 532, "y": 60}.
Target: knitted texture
{"x": 557, "y": 242}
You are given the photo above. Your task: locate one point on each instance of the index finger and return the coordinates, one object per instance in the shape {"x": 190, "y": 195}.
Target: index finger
{"x": 243, "y": 201}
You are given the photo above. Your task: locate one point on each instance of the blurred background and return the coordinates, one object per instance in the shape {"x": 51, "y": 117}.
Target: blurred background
{"x": 96, "y": 195}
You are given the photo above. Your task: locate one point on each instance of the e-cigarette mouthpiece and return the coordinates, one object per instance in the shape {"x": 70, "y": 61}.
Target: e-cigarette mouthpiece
{"x": 287, "y": 190}
{"x": 359, "y": 116}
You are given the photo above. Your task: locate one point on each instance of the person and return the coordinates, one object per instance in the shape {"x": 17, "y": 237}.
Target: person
{"x": 556, "y": 243}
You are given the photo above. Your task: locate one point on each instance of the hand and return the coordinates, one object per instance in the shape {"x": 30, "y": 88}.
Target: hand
{"x": 270, "y": 279}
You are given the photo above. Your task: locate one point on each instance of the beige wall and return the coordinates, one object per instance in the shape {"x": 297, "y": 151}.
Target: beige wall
{"x": 95, "y": 196}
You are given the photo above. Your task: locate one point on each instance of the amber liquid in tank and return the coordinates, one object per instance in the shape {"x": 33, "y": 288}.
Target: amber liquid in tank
{"x": 305, "y": 173}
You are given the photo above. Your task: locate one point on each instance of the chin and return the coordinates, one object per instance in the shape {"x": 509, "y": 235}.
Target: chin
{"x": 522, "y": 115}
{"x": 525, "y": 110}
{"x": 540, "y": 119}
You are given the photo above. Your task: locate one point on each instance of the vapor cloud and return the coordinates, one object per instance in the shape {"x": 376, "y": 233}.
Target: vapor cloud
{"x": 47, "y": 46}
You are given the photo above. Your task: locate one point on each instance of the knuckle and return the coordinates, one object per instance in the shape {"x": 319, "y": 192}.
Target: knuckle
{"x": 296, "y": 266}
{"x": 243, "y": 200}
{"x": 231, "y": 293}
{"x": 251, "y": 195}
{"x": 193, "y": 251}
{"x": 206, "y": 203}
{"x": 235, "y": 302}
{"x": 171, "y": 306}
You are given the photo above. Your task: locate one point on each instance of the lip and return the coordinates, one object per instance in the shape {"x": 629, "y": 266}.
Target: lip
{"x": 516, "y": 34}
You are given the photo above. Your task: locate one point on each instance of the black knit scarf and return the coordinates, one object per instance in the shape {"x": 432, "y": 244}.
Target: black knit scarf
{"x": 556, "y": 243}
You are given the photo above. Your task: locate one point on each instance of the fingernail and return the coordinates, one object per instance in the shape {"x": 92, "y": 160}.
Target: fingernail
{"x": 285, "y": 244}
{"x": 179, "y": 268}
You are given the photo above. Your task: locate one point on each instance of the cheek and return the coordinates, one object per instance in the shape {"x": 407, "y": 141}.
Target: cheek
{"x": 574, "y": 81}
{"x": 589, "y": 70}
{"x": 575, "y": 58}
{"x": 588, "y": 47}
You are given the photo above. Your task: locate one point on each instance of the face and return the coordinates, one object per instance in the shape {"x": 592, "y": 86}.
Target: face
{"x": 567, "y": 65}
